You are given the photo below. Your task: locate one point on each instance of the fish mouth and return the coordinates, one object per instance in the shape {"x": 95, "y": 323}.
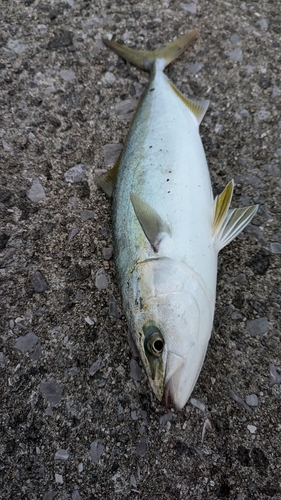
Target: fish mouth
{"x": 173, "y": 381}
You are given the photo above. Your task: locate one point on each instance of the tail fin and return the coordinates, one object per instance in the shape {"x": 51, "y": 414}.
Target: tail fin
{"x": 145, "y": 59}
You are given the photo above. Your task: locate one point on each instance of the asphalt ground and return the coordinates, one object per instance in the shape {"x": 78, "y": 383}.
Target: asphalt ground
{"x": 78, "y": 419}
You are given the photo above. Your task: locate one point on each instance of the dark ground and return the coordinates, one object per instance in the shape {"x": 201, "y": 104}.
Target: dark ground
{"x": 78, "y": 419}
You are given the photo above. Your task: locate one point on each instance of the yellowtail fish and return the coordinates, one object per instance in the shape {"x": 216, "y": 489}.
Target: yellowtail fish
{"x": 168, "y": 228}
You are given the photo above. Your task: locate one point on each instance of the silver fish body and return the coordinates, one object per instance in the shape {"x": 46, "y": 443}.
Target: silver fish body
{"x": 168, "y": 230}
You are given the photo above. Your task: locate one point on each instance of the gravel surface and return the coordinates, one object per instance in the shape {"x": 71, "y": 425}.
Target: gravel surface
{"x": 78, "y": 419}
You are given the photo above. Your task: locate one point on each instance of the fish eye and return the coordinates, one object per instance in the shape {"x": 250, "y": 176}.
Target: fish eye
{"x": 154, "y": 341}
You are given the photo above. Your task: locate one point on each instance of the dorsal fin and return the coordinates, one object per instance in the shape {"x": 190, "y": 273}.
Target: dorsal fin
{"x": 154, "y": 227}
{"x": 227, "y": 223}
{"x": 198, "y": 108}
{"x": 145, "y": 59}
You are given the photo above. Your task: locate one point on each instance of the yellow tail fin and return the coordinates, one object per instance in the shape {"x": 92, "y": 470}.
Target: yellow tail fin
{"x": 145, "y": 59}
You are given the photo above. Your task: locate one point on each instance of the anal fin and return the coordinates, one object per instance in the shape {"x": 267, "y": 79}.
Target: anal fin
{"x": 236, "y": 220}
{"x": 107, "y": 181}
{"x": 154, "y": 227}
{"x": 228, "y": 223}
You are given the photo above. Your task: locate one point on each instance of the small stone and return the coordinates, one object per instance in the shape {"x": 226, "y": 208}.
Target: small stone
{"x": 109, "y": 77}
{"x": 38, "y": 282}
{"x": 193, "y": 69}
{"x": 67, "y": 75}
{"x": 52, "y": 392}
{"x": 94, "y": 368}
{"x": 36, "y": 193}
{"x": 168, "y": 417}
{"x": 26, "y": 342}
{"x": 89, "y": 321}
{"x": 275, "y": 247}
{"x": 239, "y": 400}
{"x": 87, "y": 214}
{"x": 275, "y": 377}
{"x": 189, "y": 7}
{"x": 80, "y": 467}
{"x": 135, "y": 370}
{"x": 5, "y": 145}
{"x": 37, "y": 353}
{"x": 107, "y": 253}
{"x": 133, "y": 481}
{"x": 96, "y": 451}
{"x": 273, "y": 170}
{"x": 198, "y": 404}
{"x": 79, "y": 296}
{"x": 263, "y": 24}
{"x": 61, "y": 454}
{"x": 16, "y": 46}
{"x": 75, "y": 495}
{"x": 76, "y": 173}
{"x": 252, "y": 400}
{"x": 234, "y": 39}
{"x": 141, "y": 448}
{"x": 218, "y": 127}
{"x": 244, "y": 113}
{"x": 73, "y": 371}
{"x": 58, "y": 478}
{"x": 262, "y": 114}
{"x": 125, "y": 109}
{"x": 236, "y": 55}
{"x": 112, "y": 307}
{"x": 249, "y": 69}
{"x": 101, "y": 280}
{"x": 111, "y": 153}
{"x": 73, "y": 233}
{"x": 257, "y": 327}
{"x": 275, "y": 91}
{"x": 31, "y": 136}
{"x": 251, "y": 428}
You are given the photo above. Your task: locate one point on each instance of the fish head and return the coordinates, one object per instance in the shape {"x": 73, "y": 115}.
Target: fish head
{"x": 171, "y": 322}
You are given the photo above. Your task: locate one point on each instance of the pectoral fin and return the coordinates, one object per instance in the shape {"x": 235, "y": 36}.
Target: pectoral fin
{"x": 152, "y": 224}
{"x": 227, "y": 223}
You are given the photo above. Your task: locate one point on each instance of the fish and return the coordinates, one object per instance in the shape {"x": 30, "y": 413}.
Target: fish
{"x": 167, "y": 227}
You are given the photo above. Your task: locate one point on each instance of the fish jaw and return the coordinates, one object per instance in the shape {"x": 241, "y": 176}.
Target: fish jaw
{"x": 181, "y": 377}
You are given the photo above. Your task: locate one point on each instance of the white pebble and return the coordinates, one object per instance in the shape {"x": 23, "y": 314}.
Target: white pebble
{"x": 251, "y": 428}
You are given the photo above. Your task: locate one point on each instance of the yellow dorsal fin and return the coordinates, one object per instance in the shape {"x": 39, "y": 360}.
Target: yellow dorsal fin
{"x": 222, "y": 203}
{"x": 145, "y": 59}
{"x": 198, "y": 108}
{"x": 107, "y": 181}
